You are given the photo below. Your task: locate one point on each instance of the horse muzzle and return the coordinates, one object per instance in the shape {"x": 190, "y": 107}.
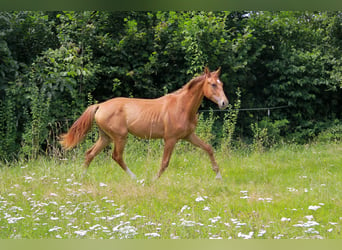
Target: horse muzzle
{"x": 223, "y": 103}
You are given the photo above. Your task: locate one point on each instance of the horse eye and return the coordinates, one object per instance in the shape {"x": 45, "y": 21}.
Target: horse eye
{"x": 214, "y": 85}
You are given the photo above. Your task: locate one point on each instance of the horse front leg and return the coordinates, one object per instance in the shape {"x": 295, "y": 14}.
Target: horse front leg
{"x": 168, "y": 148}
{"x": 206, "y": 147}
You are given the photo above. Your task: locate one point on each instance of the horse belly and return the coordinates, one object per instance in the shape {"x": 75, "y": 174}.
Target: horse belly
{"x": 147, "y": 130}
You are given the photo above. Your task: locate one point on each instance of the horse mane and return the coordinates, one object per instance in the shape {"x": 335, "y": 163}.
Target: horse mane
{"x": 190, "y": 84}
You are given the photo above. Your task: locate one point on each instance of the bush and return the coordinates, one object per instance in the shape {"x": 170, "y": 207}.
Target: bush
{"x": 331, "y": 134}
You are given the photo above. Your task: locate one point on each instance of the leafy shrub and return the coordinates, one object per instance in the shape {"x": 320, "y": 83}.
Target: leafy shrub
{"x": 332, "y": 134}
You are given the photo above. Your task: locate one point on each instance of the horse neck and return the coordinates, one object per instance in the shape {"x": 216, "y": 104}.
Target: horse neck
{"x": 193, "y": 98}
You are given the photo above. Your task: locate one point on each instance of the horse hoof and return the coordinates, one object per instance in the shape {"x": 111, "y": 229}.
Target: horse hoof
{"x": 218, "y": 176}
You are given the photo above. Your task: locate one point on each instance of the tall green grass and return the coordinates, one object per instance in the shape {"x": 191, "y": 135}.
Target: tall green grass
{"x": 286, "y": 192}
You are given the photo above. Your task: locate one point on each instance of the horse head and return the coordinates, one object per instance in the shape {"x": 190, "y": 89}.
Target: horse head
{"x": 213, "y": 88}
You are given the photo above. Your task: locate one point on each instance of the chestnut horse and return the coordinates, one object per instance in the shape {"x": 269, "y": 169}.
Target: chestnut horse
{"x": 171, "y": 117}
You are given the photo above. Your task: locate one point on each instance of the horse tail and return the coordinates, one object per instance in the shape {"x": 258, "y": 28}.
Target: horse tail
{"x": 79, "y": 129}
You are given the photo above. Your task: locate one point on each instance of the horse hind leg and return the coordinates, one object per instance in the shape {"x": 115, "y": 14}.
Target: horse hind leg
{"x": 100, "y": 144}
{"x": 118, "y": 155}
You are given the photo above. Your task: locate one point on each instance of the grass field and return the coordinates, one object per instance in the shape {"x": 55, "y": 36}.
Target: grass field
{"x": 289, "y": 192}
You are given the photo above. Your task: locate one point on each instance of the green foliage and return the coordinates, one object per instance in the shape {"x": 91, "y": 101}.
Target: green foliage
{"x": 205, "y": 127}
{"x": 229, "y": 123}
{"x": 36, "y": 132}
{"x": 333, "y": 133}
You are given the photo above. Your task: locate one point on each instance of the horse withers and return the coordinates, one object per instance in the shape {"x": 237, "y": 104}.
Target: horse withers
{"x": 171, "y": 117}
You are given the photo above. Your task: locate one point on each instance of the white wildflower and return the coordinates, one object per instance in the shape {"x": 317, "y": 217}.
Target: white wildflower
{"x": 246, "y": 236}
{"x": 115, "y": 216}
{"x": 309, "y": 217}
{"x": 12, "y": 220}
{"x": 311, "y": 231}
{"x": 239, "y": 224}
{"x": 330, "y": 230}
{"x": 199, "y": 198}
{"x": 215, "y": 237}
{"x": 56, "y": 228}
{"x": 95, "y": 226}
{"x": 215, "y": 219}
{"x": 261, "y": 232}
{"x": 285, "y": 219}
{"x": 174, "y": 237}
{"x": 184, "y": 207}
{"x": 152, "y": 234}
{"x": 54, "y": 218}
{"x": 314, "y": 207}
{"x": 307, "y": 224}
{"x": 244, "y": 197}
{"x": 81, "y": 232}
{"x": 188, "y": 223}
{"x": 142, "y": 182}
{"x": 137, "y": 216}
{"x": 206, "y": 209}
{"x": 269, "y": 200}
{"x": 103, "y": 184}
{"x": 278, "y": 237}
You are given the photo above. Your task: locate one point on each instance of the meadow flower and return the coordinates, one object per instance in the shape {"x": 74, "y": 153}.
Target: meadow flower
{"x": 261, "y": 232}
{"x": 278, "y": 237}
{"x": 314, "y": 207}
{"x": 285, "y": 219}
{"x": 307, "y": 224}
{"x": 200, "y": 198}
{"x": 311, "y": 231}
{"x": 215, "y": 237}
{"x": 188, "y": 223}
{"x": 309, "y": 217}
{"x": 56, "y": 228}
{"x": 81, "y": 232}
{"x": 152, "y": 234}
{"x": 206, "y": 209}
{"x": 137, "y": 216}
{"x": 246, "y": 236}
{"x": 184, "y": 207}
{"x": 142, "y": 181}
{"x": 102, "y": 184}
{"x": 12, "y": 220}
{"x": 174, "y": 237}
{"x": 215, "y": 219}
{"x": 114, "y": 216}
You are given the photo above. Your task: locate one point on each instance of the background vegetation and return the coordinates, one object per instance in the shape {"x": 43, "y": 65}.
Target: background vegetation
{"x": 54, "y": 64}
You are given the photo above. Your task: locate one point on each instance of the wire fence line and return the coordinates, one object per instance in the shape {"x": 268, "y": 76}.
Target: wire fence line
{"x": 245, "y": 109}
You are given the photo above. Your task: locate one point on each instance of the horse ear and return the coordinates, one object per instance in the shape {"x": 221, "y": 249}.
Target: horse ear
{"x": 206, "y": 71}
{"x": 218, "y": 71}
